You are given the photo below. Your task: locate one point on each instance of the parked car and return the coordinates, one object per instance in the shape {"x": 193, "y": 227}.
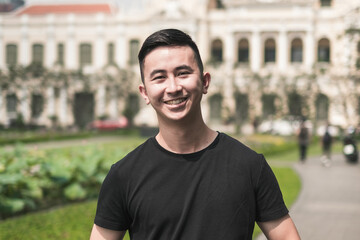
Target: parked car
{"x": 110, "y": 124}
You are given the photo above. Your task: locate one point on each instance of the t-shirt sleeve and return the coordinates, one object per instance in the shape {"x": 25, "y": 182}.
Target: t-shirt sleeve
{"x": 269, "y": 200}
{"x": 111, "y": 212}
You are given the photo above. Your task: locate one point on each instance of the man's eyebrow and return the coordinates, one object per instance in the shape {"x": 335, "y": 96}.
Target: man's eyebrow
{"x": 184, "y": 67}
{"x": 156, "y": 71}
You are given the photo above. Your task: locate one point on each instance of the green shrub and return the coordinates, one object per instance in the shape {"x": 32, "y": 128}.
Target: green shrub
{"x": 36, "y": 179}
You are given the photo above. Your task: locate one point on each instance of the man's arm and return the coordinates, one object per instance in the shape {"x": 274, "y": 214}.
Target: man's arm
{"x": 280, "y": 229}
{"x": 99, "y": 233}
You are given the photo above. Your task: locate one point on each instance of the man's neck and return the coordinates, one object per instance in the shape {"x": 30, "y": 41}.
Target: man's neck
{"x": 185, "y": 138}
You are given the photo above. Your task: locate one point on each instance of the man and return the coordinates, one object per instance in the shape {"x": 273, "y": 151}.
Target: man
{"x": 189, "y": 181}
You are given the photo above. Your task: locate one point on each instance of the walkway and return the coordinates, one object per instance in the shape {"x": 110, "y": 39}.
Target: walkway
{"x": 329, "y": 204}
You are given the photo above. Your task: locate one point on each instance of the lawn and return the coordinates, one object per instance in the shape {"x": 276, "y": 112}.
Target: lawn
{"x": 74, "y": 221}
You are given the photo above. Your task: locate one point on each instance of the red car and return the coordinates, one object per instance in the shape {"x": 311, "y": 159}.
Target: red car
{"x": 110, "y": 124}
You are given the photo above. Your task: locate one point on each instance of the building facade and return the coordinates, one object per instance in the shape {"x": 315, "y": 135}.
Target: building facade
{"x": 70, "y": 63}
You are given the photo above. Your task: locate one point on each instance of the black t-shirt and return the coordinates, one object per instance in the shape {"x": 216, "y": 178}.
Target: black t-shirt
{"x": 217, "y": 193}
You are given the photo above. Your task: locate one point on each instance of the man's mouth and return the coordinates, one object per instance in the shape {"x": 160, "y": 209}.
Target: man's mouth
{"x": 175, "y": 101}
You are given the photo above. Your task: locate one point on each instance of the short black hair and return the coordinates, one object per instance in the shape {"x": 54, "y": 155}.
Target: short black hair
{"x": 168, "y": 37}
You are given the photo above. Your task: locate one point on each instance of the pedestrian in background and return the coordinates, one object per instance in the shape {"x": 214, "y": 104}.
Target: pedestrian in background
{"x": 326, "y": 143}
{"x": 303, "y": 140}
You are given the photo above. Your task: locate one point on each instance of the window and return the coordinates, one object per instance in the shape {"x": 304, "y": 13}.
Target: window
{"x": 324, "y": 50}
{"x": 134, "y": 49}
{"x": 215, "y": 107}
{"x": 357, "y": 63}
{"x": 11, "y": 102}
{"x": 325, "y": 3}
{"x": 270, "y": 51}
{"x": 85, "y": 54}
{"x": 111, "y": 53}
{"x": 38, "y": 53}
{"x": 322, "y": 107}
{"x": 243, "y": 51}
{"x": 217, "y": 51}
{"x": 37, "y": 105}
{"x": 241, "y": 108}
{"x": 11, "y": 54}
{"x": 60, "y": 54}
{"x": 268, "y": 105}
{"x": 296, "y": 50}
{"x": 295, "y": 104}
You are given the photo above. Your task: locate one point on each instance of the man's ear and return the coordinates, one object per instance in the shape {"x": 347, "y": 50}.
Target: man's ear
{"x": 143, "y": 93}
{"x": 206, "y": 79}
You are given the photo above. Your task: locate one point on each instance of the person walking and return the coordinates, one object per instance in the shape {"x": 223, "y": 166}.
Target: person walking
{"x": 326, "y": 143}
{"x": 303, "y": 141}
{"x": 188, "y": 181}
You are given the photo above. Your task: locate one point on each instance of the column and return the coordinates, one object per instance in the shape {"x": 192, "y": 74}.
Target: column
{"x": 50, "y": 48}
{"x": 2, "y": 48}
{"x": 50, "y": 107}
{"x": 2, "y": 109}
{"x": 25, "y": 100}
{"x": 70, "y": 48}
{"x": 203, "y": 40}
{"x": 113, "y": 106}
{"x": 120, "y": 48}
{"x": 310, "y": 52}
{"x": 63, "y": 106}
{"x": 100, "y": 100}
{"x": 25, "y": 49}
{"x": 255, "y": 51}
{"x": 282, "y": 47}
{"x": 100, "y": 50}
{"x": 229, "y": 77}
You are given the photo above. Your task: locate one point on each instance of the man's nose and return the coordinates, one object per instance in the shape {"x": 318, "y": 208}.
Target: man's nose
{"x": 173, "y": 85}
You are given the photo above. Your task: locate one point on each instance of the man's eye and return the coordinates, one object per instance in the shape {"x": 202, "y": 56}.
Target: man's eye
{"x": 159, "y": 77}
{"x": 183, "y": 73}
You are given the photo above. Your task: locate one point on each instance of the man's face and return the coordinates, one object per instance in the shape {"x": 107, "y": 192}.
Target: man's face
{"x": 173, "y": 84}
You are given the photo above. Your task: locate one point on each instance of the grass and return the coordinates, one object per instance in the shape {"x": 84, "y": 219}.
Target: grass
{"x": 75, "y": 221}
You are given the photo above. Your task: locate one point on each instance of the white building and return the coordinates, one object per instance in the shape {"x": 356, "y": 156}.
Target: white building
{"x": 269, "y": 59}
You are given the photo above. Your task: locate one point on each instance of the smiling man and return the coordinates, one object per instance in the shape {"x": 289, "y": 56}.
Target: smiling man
{"x": 188, "y": 181}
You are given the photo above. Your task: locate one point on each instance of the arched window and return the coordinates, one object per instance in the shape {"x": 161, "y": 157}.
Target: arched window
{"x": 357, "y": 63}
{"x": 325, "y": 3}
{"x": 243, "y": 51}
{"x": 241, "y": 107}
{"x": 37, "y": 105}
{"x": 323, "y": 50}
{"x": 295, "y": 104}
{"x": 268, "y": 105}
{"x": 11, "y": 105}
{"x": 85, "y": 54}
{"x": 11, "y": 54}
{"x": 322, "y": 107}
{"x": 61, "y": 54}
{"x": 215, "y": 107}
{"x": 217, "y": 50}
{"x": 296, "y": 50}
{"x": 270, "y": 51}
{"x": 111, "y": 53}
{"x": 38, "y": 53}
{"x": 134, "y": 49}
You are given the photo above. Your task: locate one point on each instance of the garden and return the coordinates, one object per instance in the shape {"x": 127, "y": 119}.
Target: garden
{"x": 51, "y": 193}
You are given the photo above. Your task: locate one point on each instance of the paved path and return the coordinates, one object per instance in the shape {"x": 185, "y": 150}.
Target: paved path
{"x": 328, "y": 206}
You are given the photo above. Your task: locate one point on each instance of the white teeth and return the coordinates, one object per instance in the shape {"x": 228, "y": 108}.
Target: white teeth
{"x": 176, "y": 101}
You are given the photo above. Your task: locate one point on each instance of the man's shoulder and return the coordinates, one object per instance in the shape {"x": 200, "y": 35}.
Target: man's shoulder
{"x": 137, "y": 154}
{"x": 235, "y": 144}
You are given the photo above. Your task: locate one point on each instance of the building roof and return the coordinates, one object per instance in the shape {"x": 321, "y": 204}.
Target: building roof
{"x": 65, "y": 8}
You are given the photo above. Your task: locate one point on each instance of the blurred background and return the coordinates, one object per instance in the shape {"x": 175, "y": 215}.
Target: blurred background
{"x": 69, "y": 70}
{"x": 65, "y": 64}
